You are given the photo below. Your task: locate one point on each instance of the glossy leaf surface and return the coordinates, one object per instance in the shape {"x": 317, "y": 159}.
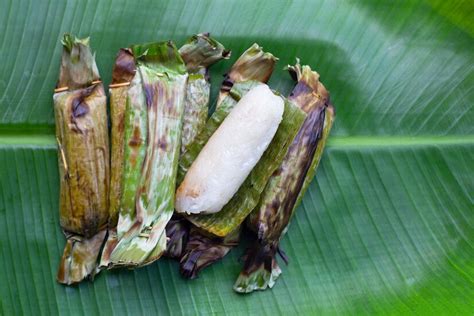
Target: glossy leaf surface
{"x": 386, "y": 227}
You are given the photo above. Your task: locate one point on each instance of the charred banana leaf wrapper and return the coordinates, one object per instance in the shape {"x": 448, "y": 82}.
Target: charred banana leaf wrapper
{"x": 248, "y": 195}
{"x": 203, "y": 249}
{"x": 201, "y": 244}
{"x": 128, "y": 136}
{"x": 177, "y": 231}
{"x": 83, "y": 156}
{"x": 253, "y": 65}
{"x": 148, "y": 196}
{"x": 288, "y": 184}
{"x": 199, "y": 53}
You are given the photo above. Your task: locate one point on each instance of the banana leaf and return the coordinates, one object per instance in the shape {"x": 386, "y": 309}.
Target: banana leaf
{"x": 246, "y": 198}
{"x": 122, "y": 74}
{"x": 385, "y": 227}
{"x": 203, "y": 249}
{"x": 253, "y": 65}
{"x": 287, "y": 185}
{"x": 128, "y": 141}
{"x": 141, "y": 229}
{"x": 83, "y": 157}
{"x": 199, "y": 53}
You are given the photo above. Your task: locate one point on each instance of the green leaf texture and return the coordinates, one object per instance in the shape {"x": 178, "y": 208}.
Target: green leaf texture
{"x": 387, "y": 227}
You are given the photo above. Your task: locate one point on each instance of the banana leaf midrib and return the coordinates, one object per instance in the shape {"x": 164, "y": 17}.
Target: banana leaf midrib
{"x": 47, "y": 140}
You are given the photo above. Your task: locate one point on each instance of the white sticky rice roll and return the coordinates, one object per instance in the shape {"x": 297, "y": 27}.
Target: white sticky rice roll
{"x": 231, "y": 153}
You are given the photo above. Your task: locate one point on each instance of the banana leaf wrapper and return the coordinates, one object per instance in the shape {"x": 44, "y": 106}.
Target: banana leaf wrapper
{"x": 129, "y": 132}
{"x": 177, "y": 232}
{"x": 199, "y": 53}
{"x": 253, "y": 65}
{"x": 251, "y": 68}
{"x": 248, "y": 195}
{"x": 83, "y": 158}
{"x": 123, "y": 72}
{"x": 186, "y": 160}
{"x": 288, "y": 184}
{"x": 203, "y": 249}
{"x": 146, "y": 210}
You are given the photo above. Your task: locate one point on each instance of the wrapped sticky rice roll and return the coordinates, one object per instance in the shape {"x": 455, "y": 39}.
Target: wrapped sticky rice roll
{"x": 231, "y": 153}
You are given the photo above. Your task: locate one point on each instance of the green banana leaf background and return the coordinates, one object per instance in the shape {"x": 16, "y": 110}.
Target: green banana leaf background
{"x": 387, "y": 227}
